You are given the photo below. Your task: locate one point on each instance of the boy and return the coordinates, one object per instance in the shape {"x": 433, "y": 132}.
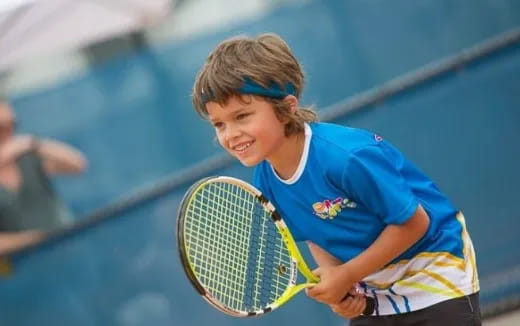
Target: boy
{"x": 369, "y": 216}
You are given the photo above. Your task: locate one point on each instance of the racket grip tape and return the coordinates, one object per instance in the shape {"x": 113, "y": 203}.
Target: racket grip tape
{"x": 370, "y": 305}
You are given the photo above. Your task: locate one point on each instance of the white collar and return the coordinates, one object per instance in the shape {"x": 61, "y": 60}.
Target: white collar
{"x": 303, "y": 159}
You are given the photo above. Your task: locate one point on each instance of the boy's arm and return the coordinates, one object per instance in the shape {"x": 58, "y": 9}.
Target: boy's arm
{"x": 349, "y": 307}
{"x": 393, "y": 241}
{"x": 322, "y": 257}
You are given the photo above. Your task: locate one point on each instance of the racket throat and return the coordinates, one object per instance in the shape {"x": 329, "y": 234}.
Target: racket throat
{"x": 289, "y": 293}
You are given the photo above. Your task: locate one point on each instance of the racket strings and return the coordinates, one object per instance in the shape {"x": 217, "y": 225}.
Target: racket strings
{"x": 217, "y": 244}
{"x": 235, "y": 249}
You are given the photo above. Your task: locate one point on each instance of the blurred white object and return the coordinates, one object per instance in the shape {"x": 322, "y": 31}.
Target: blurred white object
{"x": 12, "y": 4}
{"x": 35, "y": 28}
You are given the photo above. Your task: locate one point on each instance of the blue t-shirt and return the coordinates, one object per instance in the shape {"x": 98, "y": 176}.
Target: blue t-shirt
{"x": 349, "y": 185}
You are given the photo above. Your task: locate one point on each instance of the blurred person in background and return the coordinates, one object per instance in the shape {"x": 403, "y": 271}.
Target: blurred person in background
{"x": 29, "y": 206}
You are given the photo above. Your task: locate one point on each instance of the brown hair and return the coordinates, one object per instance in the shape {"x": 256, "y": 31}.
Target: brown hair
{"x": 264, "y": 60}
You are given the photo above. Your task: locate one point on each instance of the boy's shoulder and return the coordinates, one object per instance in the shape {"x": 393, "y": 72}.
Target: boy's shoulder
{"x": 334, "y": 137}
{"x": 330, "y": 148}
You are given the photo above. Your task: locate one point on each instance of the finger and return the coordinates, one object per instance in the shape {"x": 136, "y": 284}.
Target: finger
{"x": 314, "y": 292}
{"x": 311, "y": 292}
{"x": 344, "y": 312}
{"x": 344, "y": 306}
{"x": 353, "y": 306}
{"x": 318, "y": 298}
{"x": 363, "y": 306}
{"x": 317, "y": 272}
{"x": 351, "y": 293}
{"x": 359, "y": 305}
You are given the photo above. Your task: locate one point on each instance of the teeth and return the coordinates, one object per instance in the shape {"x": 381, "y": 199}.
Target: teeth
{"x": 242, "y": 147}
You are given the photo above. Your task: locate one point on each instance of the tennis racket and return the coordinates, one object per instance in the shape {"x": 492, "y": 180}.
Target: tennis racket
{"x": 234, "y": 255}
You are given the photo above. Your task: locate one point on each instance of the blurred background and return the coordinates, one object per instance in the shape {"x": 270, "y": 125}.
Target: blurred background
{"x": 438, "y": 78}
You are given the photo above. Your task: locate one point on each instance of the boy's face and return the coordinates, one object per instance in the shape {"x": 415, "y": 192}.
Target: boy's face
{"x": 248, "y": 130}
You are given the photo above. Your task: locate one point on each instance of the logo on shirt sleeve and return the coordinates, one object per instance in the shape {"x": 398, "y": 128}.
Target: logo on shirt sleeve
{"x": 329, "y": 209}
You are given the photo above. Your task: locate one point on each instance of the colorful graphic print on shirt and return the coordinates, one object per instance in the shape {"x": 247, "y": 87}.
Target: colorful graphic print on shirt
{"x": 329, "y": 209}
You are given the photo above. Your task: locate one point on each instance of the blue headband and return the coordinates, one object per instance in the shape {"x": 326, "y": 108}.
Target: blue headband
{"x": 252, "y": 88}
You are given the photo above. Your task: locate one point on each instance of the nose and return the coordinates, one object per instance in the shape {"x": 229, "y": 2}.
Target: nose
{"x": 232, "y": 132}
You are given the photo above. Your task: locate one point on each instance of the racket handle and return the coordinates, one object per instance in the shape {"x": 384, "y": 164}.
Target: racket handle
{"x": 370, "y": 304}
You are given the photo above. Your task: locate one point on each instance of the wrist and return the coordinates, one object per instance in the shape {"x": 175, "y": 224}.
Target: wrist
{"x": 355, "y": 271}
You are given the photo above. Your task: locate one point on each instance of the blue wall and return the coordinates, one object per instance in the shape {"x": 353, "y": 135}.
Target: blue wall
{"x": 133, "y": 119}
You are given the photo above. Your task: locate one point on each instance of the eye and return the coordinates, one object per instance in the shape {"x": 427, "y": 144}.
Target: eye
{"x": 242, "y": 116}
{"x": 218, "y": 125}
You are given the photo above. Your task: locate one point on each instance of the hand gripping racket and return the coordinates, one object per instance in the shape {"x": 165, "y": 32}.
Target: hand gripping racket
{"x": 234, "y": 255}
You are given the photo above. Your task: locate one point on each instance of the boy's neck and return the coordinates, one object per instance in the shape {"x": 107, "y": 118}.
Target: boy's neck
{"x": 288, "y": 156}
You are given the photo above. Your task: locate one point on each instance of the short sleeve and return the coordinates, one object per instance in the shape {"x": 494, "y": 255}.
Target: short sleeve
{"x": 376, "y": 182}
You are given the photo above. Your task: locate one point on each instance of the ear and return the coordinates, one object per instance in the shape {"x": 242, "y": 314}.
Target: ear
{"x": 293, "y": 102}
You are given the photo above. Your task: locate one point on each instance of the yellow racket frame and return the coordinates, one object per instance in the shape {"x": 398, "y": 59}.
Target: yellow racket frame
{"x": 300, "y": 263}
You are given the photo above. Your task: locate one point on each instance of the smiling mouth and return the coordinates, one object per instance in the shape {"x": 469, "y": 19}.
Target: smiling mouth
{"x": 242, "y": 147}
